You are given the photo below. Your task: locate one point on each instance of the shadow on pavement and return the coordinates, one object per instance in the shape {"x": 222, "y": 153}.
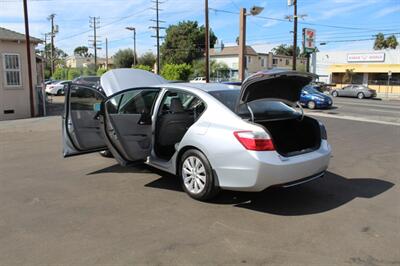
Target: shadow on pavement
{"x": 318, "y": 196}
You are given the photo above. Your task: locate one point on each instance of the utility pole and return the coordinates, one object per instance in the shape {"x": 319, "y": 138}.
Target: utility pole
{"x": 242, "y": 44}
{"x": 134, "y": 44}
{"x": 207, "y": 43}
{"x": 28, "y": 54}
{"x": 106, "y": 54}
{"x": 157, "y": 36}
{"x": 52, "y": 35}
{"x": 294, "y": 34}
{"x": 254, "y": 11}
{"x": 94, "y": 23}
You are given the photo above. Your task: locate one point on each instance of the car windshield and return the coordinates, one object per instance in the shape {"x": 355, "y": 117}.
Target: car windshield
{"x": 262, "y": 109}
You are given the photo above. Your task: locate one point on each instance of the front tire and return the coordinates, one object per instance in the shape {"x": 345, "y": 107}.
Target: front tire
{"x": 311, "y": 105}
{"x": 196, "y": 176}
{"x": 360, "y": 95}
{"x": 335, "y": 94}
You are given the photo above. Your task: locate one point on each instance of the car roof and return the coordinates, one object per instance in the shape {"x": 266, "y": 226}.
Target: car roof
{"x": 207, "y": 87}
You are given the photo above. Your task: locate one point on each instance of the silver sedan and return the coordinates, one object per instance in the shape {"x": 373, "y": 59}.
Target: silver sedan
{"x": 358, "y": 91}
{"x": 212, "y": 136}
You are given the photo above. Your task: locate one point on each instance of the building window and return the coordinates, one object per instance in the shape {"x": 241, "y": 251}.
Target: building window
{"x": 262, "y": 62}
{"x": 248, "y": 59}
{"x": 287, "y": 62}
{"x": 12, "y": 70}
{"x": 274, "y": 61}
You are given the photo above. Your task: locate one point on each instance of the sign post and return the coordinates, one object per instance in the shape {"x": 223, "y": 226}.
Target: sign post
{"x": 308, "y": 44}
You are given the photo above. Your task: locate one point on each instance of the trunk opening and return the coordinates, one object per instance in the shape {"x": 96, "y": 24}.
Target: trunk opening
{"x": 293, "y": 136}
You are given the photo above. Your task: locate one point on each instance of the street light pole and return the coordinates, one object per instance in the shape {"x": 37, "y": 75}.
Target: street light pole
{"x": 207, "y": 43}
{"x": 254, "y": 11}
{"x": 242, "y": 43}
{"x": 294, "y": 34}
{"x": 134, "y": 43}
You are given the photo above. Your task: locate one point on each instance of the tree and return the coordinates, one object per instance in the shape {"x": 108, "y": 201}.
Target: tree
{"x": 144, "y": 67}
{"x": 147, "y": 59}
{"x": 284, "y": 49}
{"x": 184, "y": 43}
{"x": 218, "y": 70}
{"x": 380, "y": 42}
{"x": 176, "y": 71}
{"x": 60, "y": 73}
{"x": 82, "y": 51}
{"x": 124, "y": 58}
{"x": 391, "y": 42}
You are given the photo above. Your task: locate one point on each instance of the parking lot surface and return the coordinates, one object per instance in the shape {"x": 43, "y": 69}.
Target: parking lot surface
{"x": 88, "y": 210}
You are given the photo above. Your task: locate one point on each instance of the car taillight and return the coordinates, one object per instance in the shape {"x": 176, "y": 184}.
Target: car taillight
{"x": 324, "y": 135}
{"x": 254, "y": 141}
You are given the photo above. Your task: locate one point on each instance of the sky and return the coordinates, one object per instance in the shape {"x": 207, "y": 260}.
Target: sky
{"x": 340, "y": 24}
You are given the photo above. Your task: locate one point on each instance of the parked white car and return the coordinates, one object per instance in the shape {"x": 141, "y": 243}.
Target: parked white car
{"x": 198, "y": 80}
{"x": 57, "y": 88}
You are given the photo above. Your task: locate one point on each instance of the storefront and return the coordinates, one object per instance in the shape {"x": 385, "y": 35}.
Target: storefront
{"x": 377, "y": 70}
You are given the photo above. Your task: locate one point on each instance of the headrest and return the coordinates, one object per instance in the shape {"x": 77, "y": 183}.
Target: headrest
{"x": 176, "y": 105}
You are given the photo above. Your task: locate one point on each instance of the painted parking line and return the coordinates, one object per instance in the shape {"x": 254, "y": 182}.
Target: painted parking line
{"x": 353, "y": 118}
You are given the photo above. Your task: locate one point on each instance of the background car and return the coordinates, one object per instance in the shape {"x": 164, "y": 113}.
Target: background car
{"x": 359, "y": 91}
{"x": 313, "y": 98}
{"x": 87, "y": 80}
{"x": 57, "y": 88}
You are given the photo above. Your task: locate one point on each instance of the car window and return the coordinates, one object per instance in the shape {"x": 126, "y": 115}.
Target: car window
{"x": 139, "y": 101}
{"x": 84, "y": 98}
{"x": 262, "y": 109}
{"x": 190, "y": 102}
{"x": 92, "y": 79}
{"x": 348, "y": 88}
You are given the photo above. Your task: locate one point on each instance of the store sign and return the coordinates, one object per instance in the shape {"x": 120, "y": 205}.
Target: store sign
{"x": 309, "y": 40}
{"x": 372, "y": 57}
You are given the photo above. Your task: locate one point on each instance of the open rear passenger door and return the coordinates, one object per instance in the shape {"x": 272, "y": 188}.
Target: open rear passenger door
{"x": 80, "y": 124}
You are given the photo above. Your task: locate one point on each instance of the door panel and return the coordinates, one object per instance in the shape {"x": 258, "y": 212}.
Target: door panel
{"x": 129, "y": 122}
{"x": 81, "y": 126}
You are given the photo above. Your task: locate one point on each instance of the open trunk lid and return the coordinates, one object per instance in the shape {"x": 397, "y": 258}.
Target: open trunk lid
{"x": 277, "y": 84}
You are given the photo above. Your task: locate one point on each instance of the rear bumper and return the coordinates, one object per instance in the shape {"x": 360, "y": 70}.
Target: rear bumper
{"x": 257, "y": 171}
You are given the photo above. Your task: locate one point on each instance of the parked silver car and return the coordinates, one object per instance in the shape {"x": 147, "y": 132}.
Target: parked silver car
{"x": 359, "y": 91}
{"x": 212, "y": 135}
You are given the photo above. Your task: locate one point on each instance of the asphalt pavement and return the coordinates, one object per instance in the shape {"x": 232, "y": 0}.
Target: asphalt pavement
{"x": 88, "y": 210}
{"x": 375, "y": 110}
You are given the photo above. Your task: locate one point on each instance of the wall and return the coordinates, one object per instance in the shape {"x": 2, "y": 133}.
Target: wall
{"x": 16, "y": 99}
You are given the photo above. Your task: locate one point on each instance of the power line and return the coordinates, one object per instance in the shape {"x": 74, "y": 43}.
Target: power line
{"x": 303, "y": 23}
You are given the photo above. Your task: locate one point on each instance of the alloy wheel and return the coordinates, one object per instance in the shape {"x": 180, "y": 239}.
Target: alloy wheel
{"x": 194, "y": 175}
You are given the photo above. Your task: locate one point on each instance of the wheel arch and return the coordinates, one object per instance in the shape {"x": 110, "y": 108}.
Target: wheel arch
{"x": 191, "y": 147}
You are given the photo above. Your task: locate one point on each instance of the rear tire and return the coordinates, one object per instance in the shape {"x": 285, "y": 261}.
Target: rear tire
{"x": 196, "y": 176}
{"x": 360, "y": 95}
{"x": 335, "y": 94}
{"x": 311, "y": 105}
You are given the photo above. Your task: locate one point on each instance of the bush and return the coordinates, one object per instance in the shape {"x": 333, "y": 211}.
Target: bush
{"x": 176, "y": 71}
{"x": 73, "y": 73}
{"x": 143, "y": 67}
{"x": 89, "y": 71}
{"x": 60, "y": 73}
{"x": 101, "y": 71}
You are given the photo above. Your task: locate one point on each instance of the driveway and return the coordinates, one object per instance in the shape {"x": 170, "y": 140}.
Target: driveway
{"x": 88, "y": 210}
